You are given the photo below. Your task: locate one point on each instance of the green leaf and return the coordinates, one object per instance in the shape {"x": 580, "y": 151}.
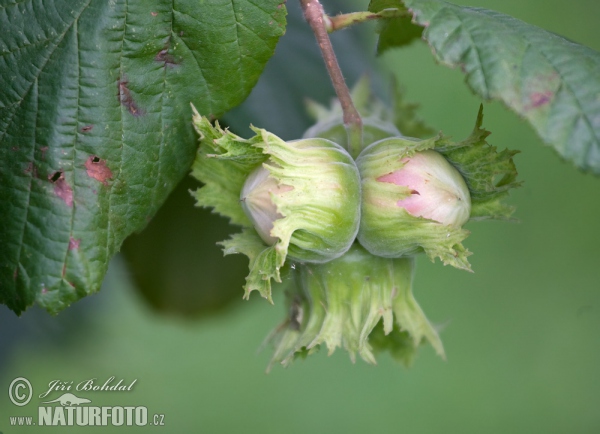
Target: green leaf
{"x": 551, "y": 81}
{"x": 396, "y": 31}
{"x": 94, "y": 124}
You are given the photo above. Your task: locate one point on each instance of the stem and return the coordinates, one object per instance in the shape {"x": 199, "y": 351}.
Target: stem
{"x": 346, "y": 20}
{"x": 314, "y": 14}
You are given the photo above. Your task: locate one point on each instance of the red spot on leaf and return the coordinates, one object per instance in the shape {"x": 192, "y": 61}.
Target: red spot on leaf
{"x": 61, "y": 188}
{"x": 97, "y": 169}
{"x": 87, "y": 128}
{"x": 74, "y": 243}
{"x": 44, "y": 290}
{"x": 127, "y": 100}
{"x": 539, "y": 99}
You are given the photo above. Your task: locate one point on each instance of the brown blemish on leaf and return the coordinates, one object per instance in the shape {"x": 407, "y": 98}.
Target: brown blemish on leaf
{"x": 127, "y": 100}
{"x": 61, "y": 188}
{"x": 154, "y": 14}
{"x": 44, "y": 149}
{"x": 181, "y": 33}
{"x": 31, "y": 169}
{"x": 163, "y": 56}
{"x": 71, "y": 283}
{"x": 87, "y": 128}
{"x": 97, "y": 169}
{"x": 16, "y": 274}
{"x": 15, "y": 148}
{"x": 44, "y": 290}
{"x": 64, "y": 270}
{"x": 74, "y": 243}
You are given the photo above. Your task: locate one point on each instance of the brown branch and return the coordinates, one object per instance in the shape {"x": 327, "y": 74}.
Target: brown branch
{"x": 314, "y": 14}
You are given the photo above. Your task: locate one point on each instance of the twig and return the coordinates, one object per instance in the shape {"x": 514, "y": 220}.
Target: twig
{"x": 313, "y": 12}
{"x": 342, "y": 21}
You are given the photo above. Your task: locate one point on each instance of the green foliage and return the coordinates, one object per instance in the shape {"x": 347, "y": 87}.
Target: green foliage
{"x": 394, "y": 31}
{"x": 94, "y": 124}
{"x": 549, "y": 80}
{"x": 489, "y": 173}
{"x": 341, "y": 302}
{"x": 319, "y": 215}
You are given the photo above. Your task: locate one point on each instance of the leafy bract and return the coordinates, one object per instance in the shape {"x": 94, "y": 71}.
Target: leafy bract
{"x": 360, "y": 302}
{"x": 94, "y": 124}
{"x": 551, "y": 81}
{"x": 489, "y": 173}
{"x": 317, "y": 208}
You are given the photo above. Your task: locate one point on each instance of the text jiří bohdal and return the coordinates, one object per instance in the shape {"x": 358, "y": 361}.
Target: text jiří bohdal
{"x": 91, "y": 384}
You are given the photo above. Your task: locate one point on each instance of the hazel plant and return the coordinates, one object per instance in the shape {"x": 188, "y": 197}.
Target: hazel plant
{"x": 339, "y": 234}
{"x": 367, "y": 181}
{"x": 336, "y": 218}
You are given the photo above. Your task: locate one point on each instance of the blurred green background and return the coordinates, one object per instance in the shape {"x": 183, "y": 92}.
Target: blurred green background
{"x": 522, "y": 333}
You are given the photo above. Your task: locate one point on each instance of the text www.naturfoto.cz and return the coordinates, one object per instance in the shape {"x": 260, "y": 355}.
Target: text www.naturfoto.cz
{"x": 17, "y": 421}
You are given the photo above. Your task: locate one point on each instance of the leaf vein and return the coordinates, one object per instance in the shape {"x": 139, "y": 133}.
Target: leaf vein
{"x": 74, "y": 151}
{"x": 117, "y": 176}
{"x": 30, "y": 174}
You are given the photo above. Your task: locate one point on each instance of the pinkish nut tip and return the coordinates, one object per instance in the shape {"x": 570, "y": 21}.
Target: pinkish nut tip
{"x": 256, "y": 198}
{"x": 438, "y": 191}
